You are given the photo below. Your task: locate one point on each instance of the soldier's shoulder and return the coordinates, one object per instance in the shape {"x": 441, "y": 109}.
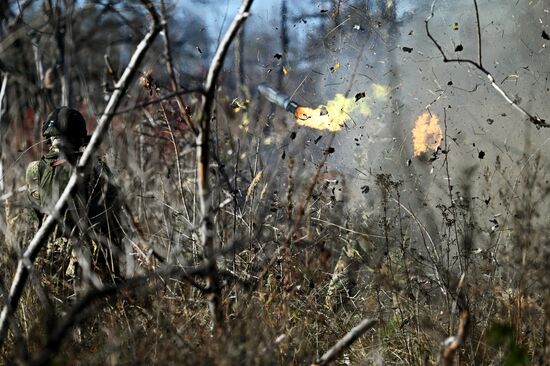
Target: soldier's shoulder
{"x": 33, "y": 171}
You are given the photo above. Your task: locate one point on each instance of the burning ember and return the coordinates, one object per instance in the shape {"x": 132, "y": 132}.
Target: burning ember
{"x": 426, "y": 134}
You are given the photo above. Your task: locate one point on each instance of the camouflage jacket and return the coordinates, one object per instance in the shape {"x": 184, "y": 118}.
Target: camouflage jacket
{"x": 97, "y": 200}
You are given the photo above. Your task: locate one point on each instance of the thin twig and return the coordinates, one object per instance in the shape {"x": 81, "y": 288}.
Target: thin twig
{"x": 478, "y": 34}
{"x": 158, "y": 100}
{"x": 153, "y": 88}
{"x": 41, "y": 236}
{"x": 451, "y": 196}
{"x": 346, "y": 341}
{"x": 435, "y": 260}
{"x": 300, "y": 211}
{"x": 346, "y": 229}
{"x": 170, "y": 69}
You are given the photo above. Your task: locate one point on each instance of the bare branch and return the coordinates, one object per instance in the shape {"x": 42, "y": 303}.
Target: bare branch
{"x": 41, "y": 236}
{"x": 538, "y": 122}
{"x": 2, "y": 95}
{"x": 346, "y": 341}
{"x": 78, "y": 312}
{"x": 170, "y": 68}
{"x": 62, "y": 57}
{"x": 203, "y": 159}
{"x": 158, "y": 100}
{"x": 478, "y": 34}
{"x": 221, "y": 52}
{"x": 451, "y": 344}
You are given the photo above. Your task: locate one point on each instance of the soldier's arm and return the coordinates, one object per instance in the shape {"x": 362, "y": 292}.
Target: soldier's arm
{"x": 32, "y": 178}
{"x": 111, "y": 189}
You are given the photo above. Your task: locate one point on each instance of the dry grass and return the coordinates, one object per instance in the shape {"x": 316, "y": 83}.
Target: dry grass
{"x": 401, "y": 276}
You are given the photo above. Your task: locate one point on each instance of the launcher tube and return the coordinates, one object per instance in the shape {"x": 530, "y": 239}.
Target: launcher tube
{"x": 278, "y": 98}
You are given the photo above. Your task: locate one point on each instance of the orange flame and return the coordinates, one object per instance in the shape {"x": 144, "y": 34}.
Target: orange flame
{"x": 426, "y": 134}
{"x": 332, "y": 116}
{"x": 318, "y": 118}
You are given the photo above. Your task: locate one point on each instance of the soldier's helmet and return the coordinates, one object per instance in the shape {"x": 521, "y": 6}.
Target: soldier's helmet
{"x": 68, "y": 124}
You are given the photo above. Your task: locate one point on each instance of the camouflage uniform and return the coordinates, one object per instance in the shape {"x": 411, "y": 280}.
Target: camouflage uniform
{"x": 342, "y": 284}
{"x": 351, "y": 273}
{"x": 91, "y": 217}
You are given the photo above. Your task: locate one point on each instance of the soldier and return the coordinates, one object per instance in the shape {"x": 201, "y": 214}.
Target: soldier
{"x": 343, "y": 285}
{"x": 87, "y": 240}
